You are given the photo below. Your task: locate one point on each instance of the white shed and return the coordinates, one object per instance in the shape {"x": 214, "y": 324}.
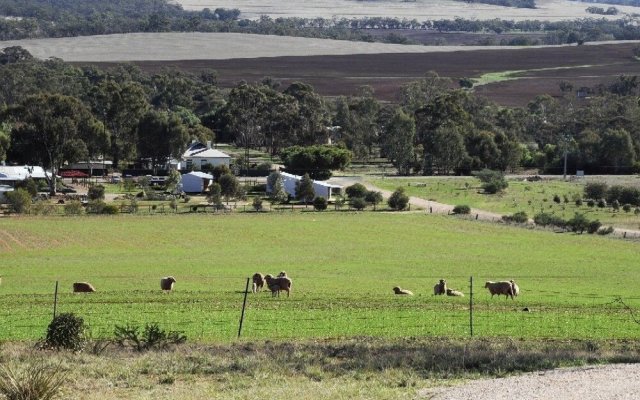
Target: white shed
{"x": 321, "y": 188}
{"x": 196, "y": 182}
{"x": 198, "y": 155}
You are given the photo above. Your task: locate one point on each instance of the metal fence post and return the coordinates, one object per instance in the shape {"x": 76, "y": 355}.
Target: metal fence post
{"x": 55, "y": 300}
{"x": 244, "y": 304}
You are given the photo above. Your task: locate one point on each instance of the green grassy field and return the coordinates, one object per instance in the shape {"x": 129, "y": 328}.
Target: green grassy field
{"x": 343, "y": 267}
{"x": 531, "y": 197}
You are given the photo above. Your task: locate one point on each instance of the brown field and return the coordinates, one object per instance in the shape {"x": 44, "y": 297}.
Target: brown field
{"x": 342, "y": 75}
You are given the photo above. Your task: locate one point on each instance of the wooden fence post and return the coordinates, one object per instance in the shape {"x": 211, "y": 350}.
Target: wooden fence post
{"x": 55, "y": 300}
{"x": 471, "y": 305}
{"x": 244, "y": 304}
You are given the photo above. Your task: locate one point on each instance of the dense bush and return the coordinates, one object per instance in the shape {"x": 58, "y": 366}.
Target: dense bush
{"x": 358, "y": 203}
{"x": 398, "y": 200}
{"x": 96, "y": 192}
{"x": 492, "y": 181}
{"x": 593, "y": 226}
{"x": 556, "y": 199}
{"x": 66, "y": 331}
{"x": 602, "y": 203}
{"x": 579, "y": 223}
{"x": 42, "y": 207}
{"x": 74, "y": 207}
{"x": 520, "y": 217}
{"x": 320, "y": 203}
{"x": 356, "y": 190}
{"x": 19, "y": 201}
{"x": 257, "y": 204}
{"x": 373, "y": 197}
{"x": 595, "y": 190}
{"x": 545, "y": 219}
{"x": 462, "y": 209}
{"x": 151, "y": 337}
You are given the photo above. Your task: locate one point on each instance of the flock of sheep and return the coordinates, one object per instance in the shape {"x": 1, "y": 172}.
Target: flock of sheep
{"x": 507, "y": 288}
{"x": 282, "y": 282}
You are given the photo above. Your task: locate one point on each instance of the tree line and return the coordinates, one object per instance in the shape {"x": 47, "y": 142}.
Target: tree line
{"x": 53, "y": 113}
{"x": 62, "y": 18}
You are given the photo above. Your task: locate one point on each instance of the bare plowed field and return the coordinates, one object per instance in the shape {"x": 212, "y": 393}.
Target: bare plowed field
{"x": 337, "y": 75}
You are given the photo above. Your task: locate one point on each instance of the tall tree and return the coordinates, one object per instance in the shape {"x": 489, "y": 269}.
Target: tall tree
{"x": 304, "y": 189}
{"x": 49, "y": 130}
{"x": 161, "y": 135}
{"x": 397, "y": 141}
{"x": 617, "y": 150}
{"x": 313, "y": 118}
{"x": 245, "y": 110}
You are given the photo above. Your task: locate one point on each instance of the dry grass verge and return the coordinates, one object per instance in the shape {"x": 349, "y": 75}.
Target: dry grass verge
{"x": 380, "y": 369}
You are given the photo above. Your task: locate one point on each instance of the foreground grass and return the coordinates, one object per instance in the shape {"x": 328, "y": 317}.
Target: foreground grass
{"x": 360, "y": 368}
{"x": 531, "y": 197}
{"x": 343, "y": 268}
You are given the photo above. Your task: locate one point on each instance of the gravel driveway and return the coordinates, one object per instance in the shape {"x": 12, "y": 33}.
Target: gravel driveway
{"x": 611, "y": 382}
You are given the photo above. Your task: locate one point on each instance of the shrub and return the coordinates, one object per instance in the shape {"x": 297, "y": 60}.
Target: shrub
{"x": 556, "y": 199}
{"x": 73, "y": 207}
{"x": 66, "y": 331}
{"x": 96, "y": 192}
{"x": 545, "y": 219}
{"x": 602, "y": 203}
{"x": 373, "y": 197}
{"x": 187, "y": 198}
{"x": 19, "y": 201}
{"x": 626, "y": 207}
{"x": 110, "y": 209}
{"x": 96, "y": 206}
{"x": 462, "y": 209}
{"x": 358, "y": 203}
{"x": 339, "y": 202}
{"x": 320, "y": 203}
{"x": 615, "y": 205}
{"x": 151, "y": 337}
{"x": 593, "y": 226}
{"x": 36, "y": 382}
{"x": 613, "y": 193}
{"x": 492, "y": 181}
{"x": 591, "y": 203}
{"x": 398, "y": 200}
{"x": 356, "y": 190}
{"x": 257, "y": 204}
{"x": 42, "y": 207}
{"x": 579, "y": 223}
{"x": 520, "y": 217}
{"x": 595, "y": 190}
{"x": 630, "y": 195}
{"x": 578, "y": 202}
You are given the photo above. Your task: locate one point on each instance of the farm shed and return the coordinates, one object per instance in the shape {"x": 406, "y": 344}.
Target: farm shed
{"x": 10, "y": 175}
{"x": 198, "y": 155}
{"x": 196, "y": 182}
{"x": 321, "y": 188}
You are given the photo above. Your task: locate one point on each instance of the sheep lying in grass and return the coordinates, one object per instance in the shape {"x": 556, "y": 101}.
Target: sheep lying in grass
{"x": 453, "y": 292}
{"x": 83, "y": 287}
{"x": 277, "y": 284}
{"x": 440, "y": 287}
{"x": 397, "y": 290}
{"x": 167, "y": 282}
{"x": 502, "y": 287}
{"x": 515, "y": 288}
{"x": 258, "y": 282}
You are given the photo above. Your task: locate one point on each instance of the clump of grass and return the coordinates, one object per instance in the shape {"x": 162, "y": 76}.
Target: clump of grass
{"x": 151, "y": 337}
{"x": 36, "y": 381}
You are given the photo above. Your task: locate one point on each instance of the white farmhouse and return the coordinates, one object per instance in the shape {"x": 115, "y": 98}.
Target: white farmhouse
{"x": 198, "y": 155}
{"x": 320, "y": 188}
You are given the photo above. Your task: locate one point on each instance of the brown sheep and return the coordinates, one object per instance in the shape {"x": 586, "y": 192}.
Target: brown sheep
{"x": 277, "y": 284}
{"x": 453, "y": 292}
{"x": 440, "y": 288}
{"x": 83, "y": 287}
{"x": 258, "y": 282}
{"x": 167, "y": 282}
{"x": 397, "y": 290}
{"x": 502, "y": 287}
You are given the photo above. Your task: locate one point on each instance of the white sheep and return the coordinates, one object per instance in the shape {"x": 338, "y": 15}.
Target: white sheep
{"x": 453, "y": 292}
{"x": 397, "y": 290}
{"x": 440, "y": 288}
{"x": 502, "y": 287}
{"x": 515, "y": 288}
{"x": 167, "y": 282}
{"x": 258, "y": 282}
{"x": 277, "y": 284}
{"x": 83, "y": 287}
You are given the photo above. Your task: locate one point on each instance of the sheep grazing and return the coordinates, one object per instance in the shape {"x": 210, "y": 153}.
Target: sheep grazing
{"x": 167, "y": 282}
{"x": 440, "y": 288}
{"x": 453, "y": 292}
{"x": 83, "y": 287}
{"x": 515, "y": 288}
{"x": 258, "y": 282}
{"x": 502, "y": 287}
{"x": 277, "y": 284}
{"x": 397, "y": 290}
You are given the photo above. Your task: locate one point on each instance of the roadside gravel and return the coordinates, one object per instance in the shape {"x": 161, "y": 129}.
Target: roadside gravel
{"x": 611, "y": 382}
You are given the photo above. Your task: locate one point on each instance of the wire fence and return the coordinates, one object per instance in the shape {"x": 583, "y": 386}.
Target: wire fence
{"x": 240, "y": 313}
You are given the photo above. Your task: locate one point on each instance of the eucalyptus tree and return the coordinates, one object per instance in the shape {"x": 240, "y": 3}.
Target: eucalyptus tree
{"x": 161, "y": 135}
